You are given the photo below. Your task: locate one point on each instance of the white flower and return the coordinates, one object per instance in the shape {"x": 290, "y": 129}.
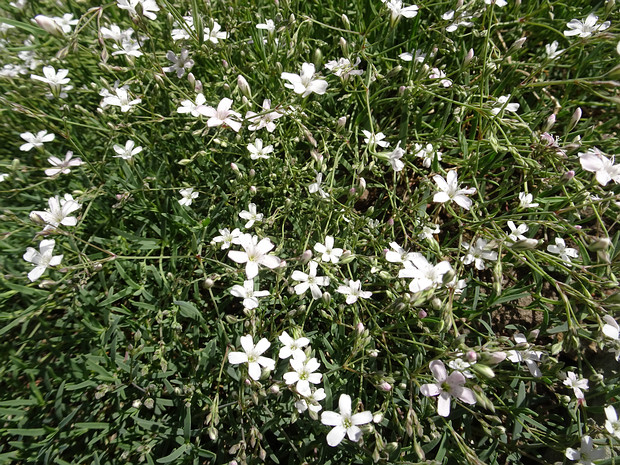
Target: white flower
{"x": 594, "y": 161}
{"x": 253, "y": 356}
{"x": 41, "y": 259}
{"x": 564, "y": 252}
{"x": 62, "y": 166}
{"x": 58, "y": 212}
{"x": 395, "y": 156}
{"x": 127, "y": 152}
{"x": 397, "y": 254}
{"x": 223, "y": 115}
{"x": 122, "y": 99}
{"x": 258, "y": 151}
{"x": 187, "y": 196}
{"x": 180, "y": 62}
{"x": 449, "y": 190}
{"x": 115, "y": 33}
{"x": 343, "y": 68}
{"x": 353, "y": 291}
{"x": 215, "y": 33}
{"x": 586, "y": 453}
{"x": 316, "y": 186}
{"x": 611, "y": 328}
{"x": 149, "y": 7}
{"x": 268, "y": 25}
{"x": 525, "y": 201}
{"x": 516, "y": 233}
{"x": 263, "y": 120}
{"x": 310, "y": 281}
{"x": 504, "y": 105}
{"x": 228, "y": 238}
{"x": 424, "y": 275}
{"x": 576, "y": 384}
{"x": 52, "y": 77}
{"x": 436, "y": 73}
{"x": 35, "y": 140}
{"x": 3, "y": 176}
{"x": 179, "y": 32}
{"x": 427, "y": 153}
{"x": 128, "y": 46}
{"x": 65, "y": 22}
{"x": 429, "y": 231}
{"x": 344, "y": 423}
{"x": 303, "y": 374}
{"x": 251, "y": 216}
{"x": 329, "y": 252}
{"x": 478, "y": 253}
{"x": 397, "y": 10}
{"x": 255, "y": 253}
{"x": 195, "y": 109}
{"x": 461, "y": 365}
{"x": 447, "y": 386}
{"x": 305, "y": 83}
{"x": 375, "y": 139}
{"x": 463, "y": 20}
{"x": 418, "y": 56}
{"x": 612, "y": 424}
{"x": 552, "y": 50}
{"x": 248, "y": 294}
{"x": 530, "y": 357}
{"x": 292, "y": 346}
{"x": 585, "y": 28}
{"x": 499, "y": 3}
{"x": 311, "y": 403}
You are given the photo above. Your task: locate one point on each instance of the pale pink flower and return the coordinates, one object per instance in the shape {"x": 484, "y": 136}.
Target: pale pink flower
{"x": 446, "y": 387}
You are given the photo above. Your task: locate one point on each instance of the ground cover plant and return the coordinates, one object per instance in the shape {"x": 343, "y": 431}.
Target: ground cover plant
{"x": 309, "y": 232}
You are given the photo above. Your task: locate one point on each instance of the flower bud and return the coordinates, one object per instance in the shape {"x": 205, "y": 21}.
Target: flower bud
{"x": 600, "y": 244}
{"x": 483, "y": 370}
{"x": 274, "y": 389}
{"x": 317, "y": 58}
{"x": 149, "y": 403}
{"x": 468, "y": 57}
{"x": 49, "y": 25}
{"x": 525, "y": 244}
{"x": 208, "y": 283}
{"x": 327, "y": 297}
{"x": 493, "y": 358}
{"x": 347, "y": 257}
{"x": 550, "y": 122}
{"x": 471, "y": 356}
{"x": 341, "y": 122}
{"x": 609, "y": 7}
{"x": 224, "y": 64}
{"x": 362, "y": 184}
{"x": 235, "y": 168}
{"x": 574, "y": 119}
{"x": 518, "y": 44}
{"x": 306, "y": 256}
{"x": 385, "y": 386}
{"x": 568, "y": 176}
{"x": 377, "y": 417}
{"x": 345, "y": 21}
{"x": 198, "y": 86}
{"x": 360, "y": 328}
{"x": 243, "y": 86}
{"x": 344, "y": 46}
{"x": 422, "y": 313}
{"x": 191, "y": 79}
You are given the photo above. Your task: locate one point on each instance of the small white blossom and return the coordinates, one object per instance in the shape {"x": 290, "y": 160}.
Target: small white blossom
{"x": 478, "y": 253}
{"x": 344, "y": 69}
{"x": 552, "y": 50}
{"x": 316, "y": 186}
{"x": 397, "y": 10}
{"x": 33, "y": 140}
{"x": 397, "y": 254}
{"x": 529, "y": 357}
{"x": 215, "y": 34}
{"x": 227, "y": 238}
{"x": 127, "y": 152}
{"x": 436, "y": 73}
{"x": 595, "y": 162}
{"x": 330, "y": 253}
{"x": 251, "y": 216}
{"x": 375, "y": 139}
{"x": 353, "y": 291}
{"x": 54, "y": 78}
{"x": 586, "y": 453}
{"x": 149, "y": 7}
{"x": 58, "y": 212}
{"x": 248, "y": 294}
{"x": 268, "y": 26}
{"x": 187, "y": 196}
{"x": 223, "y": 115}
{"x": 122, "y": 99}
{"x": 526, "y": 201}
{"x": 424, "y": 275}
{"x": 516, "y": 233}
{"x": 42, "y": 259}
{"x": 395, "y": 156}
{"x": 66, "y": 22}
{"x": 253, "y": 356}
{"x": 292, "y": 347}
{"x": 565, "y": 253}
{"x": 499, "y": 3}
{"x": 611, "y": 423}
{"x": 305, "y": 83}
{"x": 195, "y": 109}
{"x": 265, "y": 120}
{"x": 62, "y": 166}
{"x": 180, "y": 62}
{"x": 258, "y": 151}
{"x": 586, "y": 28}
{"x": 427, "y": 153}
{"x": 504, "y": 105}
{"x": 449, "y": 190}
{"x": 577, "y": 384}
{"x": 303, "y": 374}
{"x": 345, "y": 423}
{"x": 310, "y": 281}
{"x": 418, "y": 56}
{"x": 255, "y": 253}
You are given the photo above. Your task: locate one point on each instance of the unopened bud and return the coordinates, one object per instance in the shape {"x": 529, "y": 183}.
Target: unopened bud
{"x": 609, "y": 6}
{"x": 550, "y": 122}
{"x": 525, "y": 244}
{"x": 306, "y": 256}
{"x": 235, "y": 168}
{"x": 362, "y": 184}
{"x": 317, "y": 58}
{"x": 191, "y": 79}
{"x": 345, "y": 21}
{"x": 347, "y": 257}
{"x": 274, "y": 389}
{"x": 49, "y": 25}
{"x": 422, "y": 313}
{"x": 493, "y": 358}
{"x": 198, "y": 86}
{"x": 327, "y": 297}
{"x": 377, "y": 417}
{"x": 600, "y": 244}
{"x": 344, "y": 46}
{"x": 208, "y": 283}
{"x": 401, "y": 90}
{"x": 36, "y": 218}
{"x": 224, "y": 64}
{"x": 574, "y": 119}
{"x": 468, "y": 57}
{"x": 360, "y": 328}
{"x": 517, "y": 45}
{"x": 483, "y": 370}
{"x": 471, "y": 356}
{"x": 243, "y": 86}
{"x": 149, "y": 403}
{"x": 341, "y": 122}
{"x": 568, "y": 176}
{"x": 385, "y": 386}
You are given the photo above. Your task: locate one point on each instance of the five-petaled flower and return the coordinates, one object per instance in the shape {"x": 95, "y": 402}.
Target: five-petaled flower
{"x": 353, "y": 291}
{"x": 375, "y": 139}
{"x": 345, "y": 422}
{"x": 33, "y": 140}
{"x": 478, "y": 253}
{"x": 255, "y": 253}
{"x": 585, "y": 28}
{"x": 305, "y": 83}
{"x": 449, "y": 190}
{"x": 265, "y": 120}
{"x": 251, "y": 216}
{"x": 54, "y": 78}
{"x": 127, "y": 152}
{"x": 42, "y": 259}
{"x": 446, "y": 387}
{"x": 310, "y": 281}
{"x": 330, "y": 253}
{"x": 187, "y": 196}
{"x": 586, "y": 453}
{"x": 253, "y": 356}
{"x": 594, "y": 161}
{"x": 148, "y": 7}
{"x": 122, "y": 99}
{"x": 424, "y": 275}
{"x": 58, "y": 212}
{"x": 530, "y": 357}
{"x": 222, "y": 115}
{"x": 577, "y": 384}
{"x": 248, "y": 294}
{"x": 503, "y": 104}
{"x": 257, "y": 150}
{"x": 564, "y": 252}
{"x": 62, "y": 166}
{"x": 227, "y": 238}
{"x": 180, "y": 62}
{"x": 304, "y": 373}
{"x": 292, "y": 346}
